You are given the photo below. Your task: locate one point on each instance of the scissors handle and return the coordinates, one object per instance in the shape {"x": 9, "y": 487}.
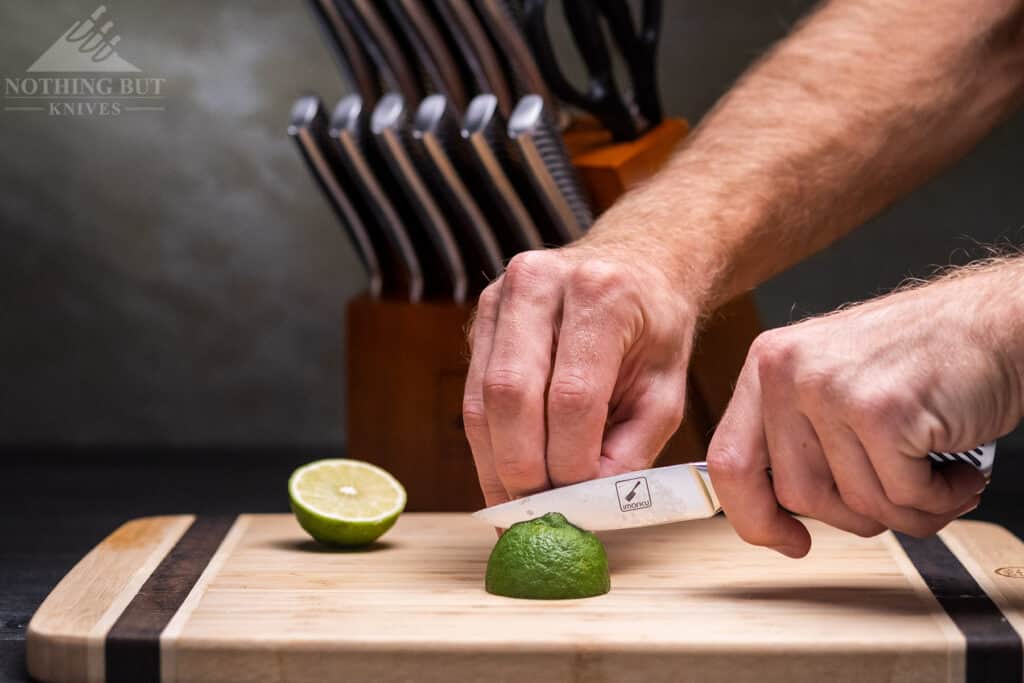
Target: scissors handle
{"x": 639, "y": 49}
{"x": 601, "y": 97}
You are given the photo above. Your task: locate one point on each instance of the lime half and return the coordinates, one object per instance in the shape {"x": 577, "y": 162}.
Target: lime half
{"x": 548, "y": 559}
{"x": 345, "y": 502}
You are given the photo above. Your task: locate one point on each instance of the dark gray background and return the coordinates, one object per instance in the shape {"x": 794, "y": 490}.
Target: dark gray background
{"x": 175, "y": 278}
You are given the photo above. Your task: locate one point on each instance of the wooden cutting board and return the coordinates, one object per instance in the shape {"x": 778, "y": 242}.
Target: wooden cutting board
{"x": 197, "y": 600}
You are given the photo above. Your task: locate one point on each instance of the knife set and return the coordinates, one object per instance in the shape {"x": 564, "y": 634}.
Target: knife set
{"x": 462, "y": 145}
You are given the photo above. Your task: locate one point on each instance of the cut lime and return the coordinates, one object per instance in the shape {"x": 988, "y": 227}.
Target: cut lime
{"x": 345, "y": 502}
{"x": 548, "y": 559}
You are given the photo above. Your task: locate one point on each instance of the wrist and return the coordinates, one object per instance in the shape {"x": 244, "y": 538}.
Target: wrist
{"x": 692, "y": 228}
{"x": 1001, "y": 314}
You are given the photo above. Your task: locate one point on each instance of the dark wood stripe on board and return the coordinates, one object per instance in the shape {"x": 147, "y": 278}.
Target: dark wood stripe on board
{"x": 994, "y": 650}
{"x": 132, "y": 651}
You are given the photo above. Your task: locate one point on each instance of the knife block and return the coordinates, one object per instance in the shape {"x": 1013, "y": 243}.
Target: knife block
{"x": 407, "y": 362}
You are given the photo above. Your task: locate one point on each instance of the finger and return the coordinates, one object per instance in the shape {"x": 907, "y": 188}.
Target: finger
{"x": 474, "y": 413}
{"x": 859, "y": 486}
{"x": 643, "y": 424}
{"x": 738, "y": 463}
{"x": 800, "y": 474}
{"x": 517, "y": 372}
{"x": 910, "y": 480}
{"x": 592, "y": 339}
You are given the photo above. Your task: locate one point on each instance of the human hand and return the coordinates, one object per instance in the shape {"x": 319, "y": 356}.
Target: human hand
{"x": 578, "y": 368}
{"x": 844, "y": 409}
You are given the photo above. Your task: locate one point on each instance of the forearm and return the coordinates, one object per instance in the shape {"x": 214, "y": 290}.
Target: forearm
{"x": 864, "y": 101}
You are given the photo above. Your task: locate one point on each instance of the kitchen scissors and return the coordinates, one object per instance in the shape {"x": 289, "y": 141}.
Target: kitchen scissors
{"x": 627, "y": 114}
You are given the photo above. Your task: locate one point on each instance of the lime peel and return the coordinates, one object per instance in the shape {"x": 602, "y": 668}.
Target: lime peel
{"x": 548, "y": 558}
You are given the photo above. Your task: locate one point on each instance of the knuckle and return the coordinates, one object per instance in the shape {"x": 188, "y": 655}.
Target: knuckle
{"x": 489, "y": 297}
{"x": 525, "y": 273}
{"x": 474, "y": 413}
{"x": 775, "y": 352}
{"x": 596, "y": 279}
{"x": 901, "y": 496}
{"x": 817, "y": 387}
{"x": 673, "y": 411}
{"x": 882, "y": 411}
{"x": 571, "y": 396}
{"x": 519, "y": 472}
{"x": 504, "y": 388}
{"x": 862, "y": 504}
{"x": 564, "y": 472}
{"x": 804, "y": 500}
{"x": 728, "y": 463}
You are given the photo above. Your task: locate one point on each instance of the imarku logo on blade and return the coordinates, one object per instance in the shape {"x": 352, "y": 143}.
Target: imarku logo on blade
{"x": 83, "y": 74}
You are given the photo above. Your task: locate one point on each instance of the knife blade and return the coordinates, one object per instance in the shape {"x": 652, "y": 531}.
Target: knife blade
{"x": 374, "y": 33}
{"x": 308, "y": 127}
{"x": 551, "y": 173}
{"x": 436, "y": 139}
{"x": 481, "y": 62}
{"x": 438, "y": 251}
{"x": 348, "y": 53}
{"x": 349, "y": 132}
{"x": 660, "y": 495}
{"x": 483, "y": 130}
{"x": 414, "y": 19}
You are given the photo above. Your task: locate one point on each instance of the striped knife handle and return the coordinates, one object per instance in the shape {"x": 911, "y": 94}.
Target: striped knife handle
{"x": 981, "y": 457}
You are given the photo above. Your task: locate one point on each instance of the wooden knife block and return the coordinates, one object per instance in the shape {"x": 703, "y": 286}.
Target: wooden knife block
{"x": 407, "y": 362}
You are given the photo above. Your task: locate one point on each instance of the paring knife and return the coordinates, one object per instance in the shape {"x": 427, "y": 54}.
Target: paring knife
{"x": 551, "y": 173}
{"x": 349, "y": 131}
{"x": 436, "y": 139}
{"x": 415, "y": 20}
{"x": 444, "y": 267}
{"x": 373, "y": 31}
{"x": 308, "y": 127}
{"x": 661, "y": 495}
{"x": 349, "y": 54}
{"x": 483, "y": 131}
{"x": 481, "y": 62}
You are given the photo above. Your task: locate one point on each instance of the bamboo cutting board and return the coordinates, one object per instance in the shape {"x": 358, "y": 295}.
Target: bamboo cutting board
{"x": 252, "y": 599}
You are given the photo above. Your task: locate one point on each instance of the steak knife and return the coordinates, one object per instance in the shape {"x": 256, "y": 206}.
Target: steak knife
{"x": 483, "y": 131}
{"x": 349, "y": 131}
{"x": 414, "y": 19}
{"x": 308, "y": 127}
{"x": 349, "y": 54}
{"x": 478, "y": 56}
{"x": 551, "y": 173}
{"x": 436, "y": 138}
{"x": 444, "y": 267}
{"x": 373, "y": 31}
{"x": 661, "y": 495}
{"x": 499, "y": 16}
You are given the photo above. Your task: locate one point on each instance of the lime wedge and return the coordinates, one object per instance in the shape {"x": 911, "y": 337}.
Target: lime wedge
{"x": 345, "y": 502}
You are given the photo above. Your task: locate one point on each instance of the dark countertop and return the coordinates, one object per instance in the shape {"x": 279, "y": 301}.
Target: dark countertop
{"x": 55, "y": 506}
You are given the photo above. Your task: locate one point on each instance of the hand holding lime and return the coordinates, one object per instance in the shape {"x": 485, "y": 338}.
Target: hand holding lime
{"x": 345, "y": 502}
